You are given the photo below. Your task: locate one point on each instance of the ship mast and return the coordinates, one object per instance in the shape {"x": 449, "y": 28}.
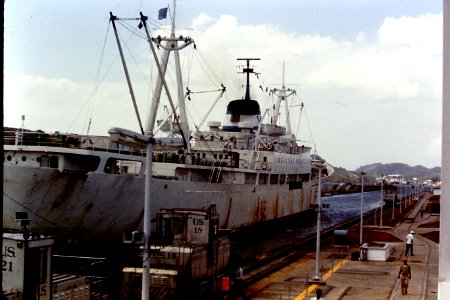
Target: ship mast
{"x": 170, "y": 44}
{"x": 282, "y": 94}
{"x": 183, "y": 122}
{"x": 248, "y": 70}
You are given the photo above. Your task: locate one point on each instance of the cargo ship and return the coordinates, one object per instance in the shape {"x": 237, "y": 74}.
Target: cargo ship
{"x": 91, "y": 188}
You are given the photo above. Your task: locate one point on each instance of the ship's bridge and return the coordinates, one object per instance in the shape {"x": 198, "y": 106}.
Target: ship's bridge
{"x": 239, "y": 111}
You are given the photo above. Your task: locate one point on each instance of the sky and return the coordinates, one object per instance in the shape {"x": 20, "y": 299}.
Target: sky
{"x": 369, "y": 72}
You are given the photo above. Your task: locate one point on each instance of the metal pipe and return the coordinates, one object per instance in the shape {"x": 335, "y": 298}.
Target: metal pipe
{"x": 147, "y": 224}
{"x": 124, "y": 64}
{"x": 317, "y": 269}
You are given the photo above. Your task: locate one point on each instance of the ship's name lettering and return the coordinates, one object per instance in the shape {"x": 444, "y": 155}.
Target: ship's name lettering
{"x": 43, "y": 290}
{"x": 9, "y": 251}
{"x": 7, "y": 266}
{"x": 199, "y": 223}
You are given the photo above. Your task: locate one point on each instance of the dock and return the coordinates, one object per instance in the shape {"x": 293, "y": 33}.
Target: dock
{"x": 347, "y": 278}
{"x": 412, "y": 215}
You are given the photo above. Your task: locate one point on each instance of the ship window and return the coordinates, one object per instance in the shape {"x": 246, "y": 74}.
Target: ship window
{"x": 250, "y": 178}
{"x": 43, "y": 265}
{"x": 262, "y": 179}
{"x": 282, "y": 179}
{"x": 179, "y": 228}
{"x": 292, "y": 178}
{"x": 44, "y": 160}
{"x": 122, "y": 166}
{"x": 273, "y": 178}
{"x": 9, "y": 157}
{"x": 24, "y": 158}
{"x": 235, "y": 118}
{"x": 54, "y": 160}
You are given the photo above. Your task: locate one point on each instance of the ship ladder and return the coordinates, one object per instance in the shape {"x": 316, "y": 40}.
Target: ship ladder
{"x": 215, "y": 174}
{"x": 254, "y": 159}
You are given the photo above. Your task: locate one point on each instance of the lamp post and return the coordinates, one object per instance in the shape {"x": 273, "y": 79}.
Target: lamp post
{"x": 393, "y": 202}
{"x": 362, "y": 201}
{"x": 381, "y": 202}
{"x": 137, "y": 140}
{"x": 317, "y": 279}
{"x": 405, "y": 194}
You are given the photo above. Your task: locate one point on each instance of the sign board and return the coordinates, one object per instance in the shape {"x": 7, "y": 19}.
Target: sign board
{"x": 26, "y": 266}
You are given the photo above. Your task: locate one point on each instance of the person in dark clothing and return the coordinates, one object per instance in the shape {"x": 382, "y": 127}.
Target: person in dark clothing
{"x": 405, "y": 275}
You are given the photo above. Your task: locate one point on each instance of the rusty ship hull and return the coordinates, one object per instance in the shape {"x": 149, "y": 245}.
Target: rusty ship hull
{"x": 69, "y": 200}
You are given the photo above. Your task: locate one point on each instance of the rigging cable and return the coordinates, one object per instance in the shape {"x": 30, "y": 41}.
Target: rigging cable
{"x": 91, "y": 98}
{"x": 40, "y": 216}
{"x": 207, "y": 67}
{"x": 313, "y": 143}
{"x": 132, "y": 56}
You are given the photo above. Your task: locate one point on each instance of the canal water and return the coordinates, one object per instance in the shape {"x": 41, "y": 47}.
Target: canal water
{"x": 347, "y": 206}
{"x": 340, "y": 208}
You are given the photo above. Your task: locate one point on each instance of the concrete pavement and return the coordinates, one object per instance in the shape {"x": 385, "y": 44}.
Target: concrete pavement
{"x": 353, "y": 279}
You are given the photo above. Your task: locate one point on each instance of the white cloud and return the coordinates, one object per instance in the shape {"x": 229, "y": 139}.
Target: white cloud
{"x": 412, "y": 32}
{"x": 201, "y": 21}
{"x": 365, "y": 97}
{"x": 434, "y": 148}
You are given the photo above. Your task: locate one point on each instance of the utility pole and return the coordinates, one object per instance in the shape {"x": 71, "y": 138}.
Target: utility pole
{"x": 362, "y": 201}
{"x": 381, "y": 202}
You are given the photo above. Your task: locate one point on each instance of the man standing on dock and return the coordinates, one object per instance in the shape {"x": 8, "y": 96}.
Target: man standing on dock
{"x": 318, "y": 295}
{"x": 409, "y": 243}
{"x": 405, "y": 275}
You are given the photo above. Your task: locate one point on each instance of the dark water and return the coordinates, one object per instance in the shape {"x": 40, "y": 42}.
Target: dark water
{"x": 347, "y": 206}
{"x": 344, "y": 207}
{"x": 341, "y": 208}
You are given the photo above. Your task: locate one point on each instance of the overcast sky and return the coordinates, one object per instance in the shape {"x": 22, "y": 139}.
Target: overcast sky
{"x": 369, "y": 72}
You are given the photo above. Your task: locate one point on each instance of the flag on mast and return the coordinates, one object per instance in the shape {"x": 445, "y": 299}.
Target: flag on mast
{"x": 162, "y": 13}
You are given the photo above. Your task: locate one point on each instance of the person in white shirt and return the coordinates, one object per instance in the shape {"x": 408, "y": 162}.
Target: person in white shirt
{"x": 318, "y": 295}
{"x": 409, "y": 243}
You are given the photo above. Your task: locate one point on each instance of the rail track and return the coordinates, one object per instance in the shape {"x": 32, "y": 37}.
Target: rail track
{"x": 287, "y": 253}
{"x": 290, "y": 252}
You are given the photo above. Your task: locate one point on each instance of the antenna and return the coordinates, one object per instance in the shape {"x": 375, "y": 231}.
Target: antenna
{"x": 23, "y": 125}
{"x": 247, "y": 70}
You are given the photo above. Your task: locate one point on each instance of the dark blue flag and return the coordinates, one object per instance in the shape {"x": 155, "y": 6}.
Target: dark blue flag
{"x": 162, "y": 14}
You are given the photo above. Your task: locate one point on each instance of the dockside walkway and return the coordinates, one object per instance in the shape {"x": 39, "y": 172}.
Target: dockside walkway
{"x": 345, "y": 278}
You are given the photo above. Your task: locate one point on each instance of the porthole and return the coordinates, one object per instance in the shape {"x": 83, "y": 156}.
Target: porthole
{"x": 24, "y": 158}
{"x": 9, "y": 157}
